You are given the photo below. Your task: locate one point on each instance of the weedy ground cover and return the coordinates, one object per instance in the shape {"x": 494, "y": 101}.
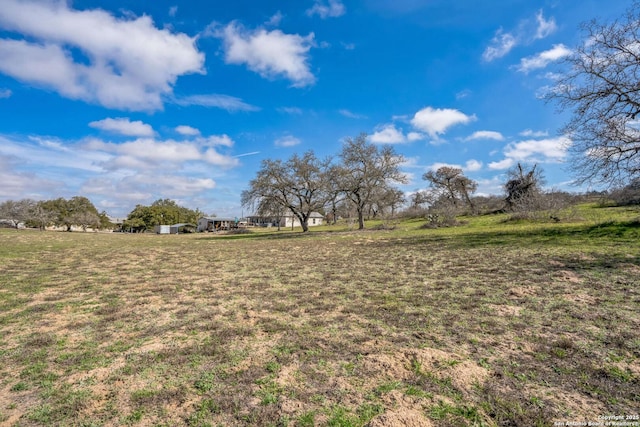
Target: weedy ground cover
{"x": 491, "y": 323}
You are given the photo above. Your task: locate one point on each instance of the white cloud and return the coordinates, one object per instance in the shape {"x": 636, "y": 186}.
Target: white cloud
{"x": 118, "y": 176}
{"x": 434, "y": 167}
{"x": 534, "y": 134}
{"x": 527, "y": 31}
{"x": 436, "y": 121}
{"x": 128, "y": 63}
{"x": 287, "y": 141}
{"x": 187, "y": 130}
{"x": 549, "y": 150}
{"x": 552, "y": 150}
{"x": 149, "y": 153}
{"x": 225, "y": 102}
{"x": 290, "y": 110}
{"x": 330, "y": 9}
{"x": 487, "y": 187}
{"x": 173, "y": 10}
{"x": 275, "y": 20}
{"x": 269, "y": 53}
{"x": 502, "y": 164}
{"x": 469, "y": 166}
{"x": 351, "y": 115}
{"x": 415, "y": 136}
{"x": 501, "y": 44}
{"x": 20, "y": 184}
{"x": 173, "y": 186}
{"x": 543, "y": 59}
{"x": 485, "y": 134}
{"x": 473, "y": 165}
{"x": 545, "y": 28}
{"x": 216, "y": 140}
{"x": 463, "y": 94}
{"x": 387, "y": 134}
{"x": 5, "y": 93}
{"x": 123, "y": 126}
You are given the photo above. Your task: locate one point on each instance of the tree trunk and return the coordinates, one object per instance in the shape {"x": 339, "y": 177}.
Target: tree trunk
{"x": 360, "y": 220}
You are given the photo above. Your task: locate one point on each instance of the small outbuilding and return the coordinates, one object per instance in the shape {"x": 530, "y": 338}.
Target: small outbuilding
{"x": 162, "y": 229}
{"x": 217, "y": 224}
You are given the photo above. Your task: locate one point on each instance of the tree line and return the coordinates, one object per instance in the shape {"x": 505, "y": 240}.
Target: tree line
{"x": 78, "y": 211}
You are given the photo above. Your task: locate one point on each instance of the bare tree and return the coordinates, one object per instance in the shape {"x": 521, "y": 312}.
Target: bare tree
{"x": 299, "y": 185}
{"x": 523, "y": 188}
{"x": 366, "y": 170}
{"x": 602, "y": 89}
{"x": 450, "y": 183}
{"x": 16, "y": 212}
{"x": 40, "y": 216}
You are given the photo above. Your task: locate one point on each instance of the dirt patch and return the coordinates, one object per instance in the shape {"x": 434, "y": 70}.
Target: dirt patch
{"x": 569, "y": 276}
{"x": 463, "y": 373}
{"x": 580, "y": 298}
{"x": 400, "y": 418}
{"x": 505, "y": 310}
{"x": 522, "y": 291}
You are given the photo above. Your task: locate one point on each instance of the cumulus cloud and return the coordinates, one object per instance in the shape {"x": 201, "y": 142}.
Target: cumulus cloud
{"x": 415, "y": 136}
{"x": 543, "y": 59}
{"x": 387, "y": 134}
{"x": 116, "y": 176}
{"x": 436, "y": 121}
{"x": 330, "y": 9}
{"x": 21, "y": 184}
{"x": 173, "y": 186}
{"x": 269, "y": 53}
{"x": 287, "y": 141}
{"x": 501, "y": 44}
{"x": 216, "y": 140}
{"x": 123, "y": 126}
{"x": 225, "y": 102}
{"x": 502, "y": 164}
{"x": 128, "y": 64}
{"x": 149, "y": 153}
{"x": 549, "y": 150}
{"x": 187, "y": 130}
{"x": 485, "y": 134}
{"x": 473, "y": 165}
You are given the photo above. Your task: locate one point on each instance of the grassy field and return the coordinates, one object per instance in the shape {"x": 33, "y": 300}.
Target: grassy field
{"x": 491, "y": 323}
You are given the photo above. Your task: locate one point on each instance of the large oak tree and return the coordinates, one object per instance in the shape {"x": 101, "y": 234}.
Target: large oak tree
{"x": 367, "y": 172}
{"x": 601, "y": 88}
{"x": 299, "y": 185}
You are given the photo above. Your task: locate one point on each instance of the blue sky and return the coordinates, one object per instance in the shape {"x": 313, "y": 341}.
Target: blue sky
{"x": 128, "y": 102}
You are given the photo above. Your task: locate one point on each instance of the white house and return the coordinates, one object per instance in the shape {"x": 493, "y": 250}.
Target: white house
{"x": 286, "y": 220}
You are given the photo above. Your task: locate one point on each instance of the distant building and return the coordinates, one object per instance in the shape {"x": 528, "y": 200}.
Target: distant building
{"x": 286, "y": 220}
{"x": 217, "y": 224}
{"x": 175, "y": 228}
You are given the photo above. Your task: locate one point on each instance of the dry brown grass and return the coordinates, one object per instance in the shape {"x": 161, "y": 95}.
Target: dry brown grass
{"x": 340, "y": 329}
